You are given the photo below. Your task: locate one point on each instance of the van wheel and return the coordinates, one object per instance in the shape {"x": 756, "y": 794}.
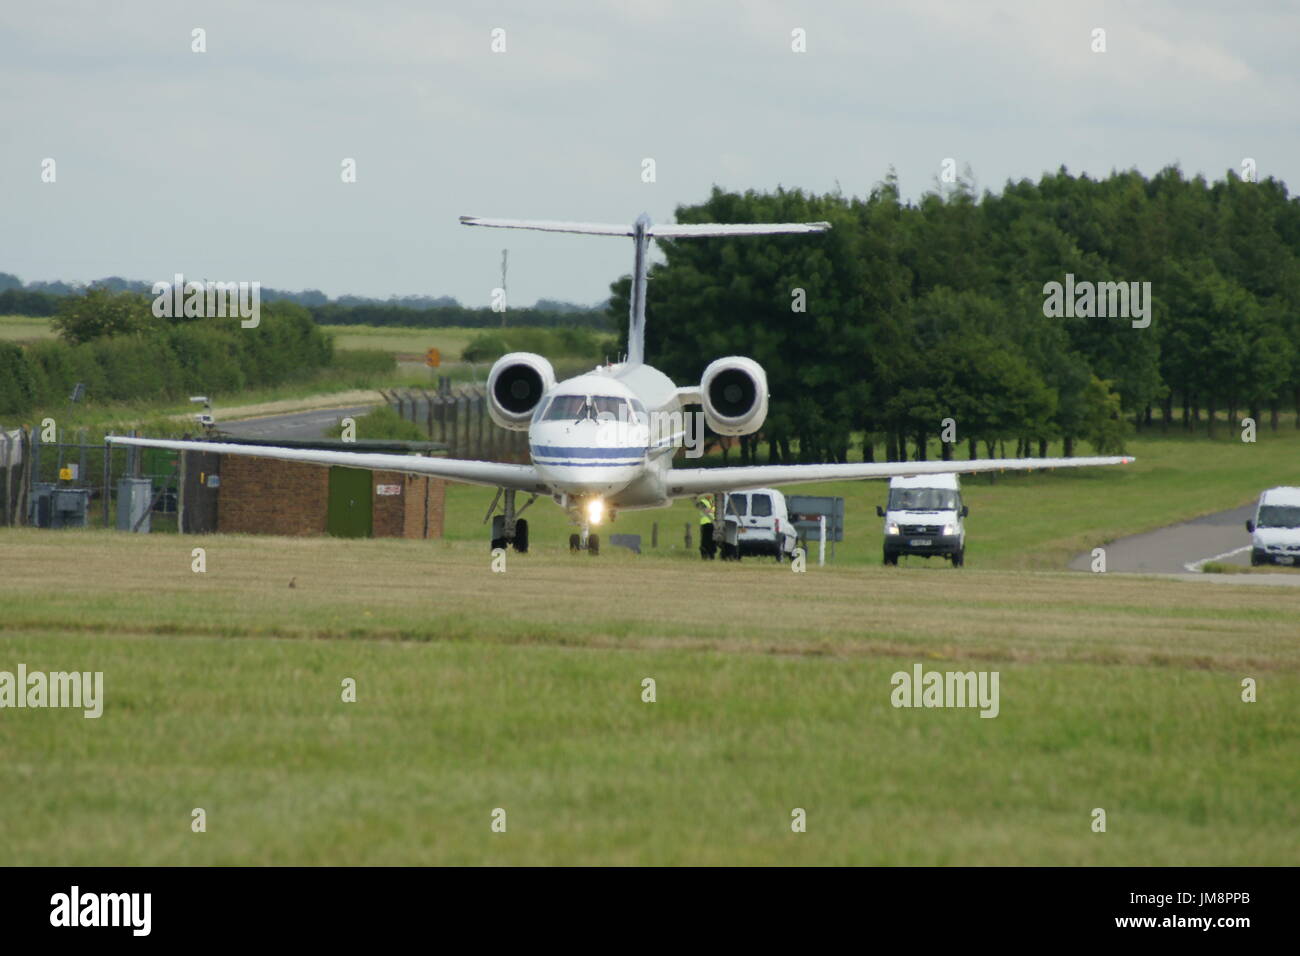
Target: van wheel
{"x": 891, "y": 557}
{"x": 959, "y": 558}
{"x": 1256, "y": 559}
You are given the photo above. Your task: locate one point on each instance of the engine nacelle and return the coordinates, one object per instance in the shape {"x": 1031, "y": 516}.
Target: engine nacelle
{"x": 733, "y": 392}
{"x": 515, "y": 385}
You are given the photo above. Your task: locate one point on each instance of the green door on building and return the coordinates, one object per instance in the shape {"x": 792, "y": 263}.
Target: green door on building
{"x": 350, "y": 509}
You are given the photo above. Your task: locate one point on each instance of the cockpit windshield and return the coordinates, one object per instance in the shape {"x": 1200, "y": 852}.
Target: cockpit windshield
{"x": 922, "y": 499}
{"x": 601, "y": 408}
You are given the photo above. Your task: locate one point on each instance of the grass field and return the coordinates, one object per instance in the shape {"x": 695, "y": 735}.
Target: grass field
{"x": 401, "y": 341}
{"x": 1025, "y": 520}
{"x": 522, "y": 691}
{"x": 24, "y": 328}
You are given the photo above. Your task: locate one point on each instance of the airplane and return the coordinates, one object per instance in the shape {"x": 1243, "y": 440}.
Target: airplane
{"x": 592, "y": 443}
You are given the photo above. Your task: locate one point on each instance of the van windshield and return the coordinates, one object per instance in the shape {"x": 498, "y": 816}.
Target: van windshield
{"x": 1279, "y": 516}
{"x": 922, "y": 499}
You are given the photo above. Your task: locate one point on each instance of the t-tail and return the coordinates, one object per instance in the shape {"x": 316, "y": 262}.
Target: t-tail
{"x": 641, "y": 233}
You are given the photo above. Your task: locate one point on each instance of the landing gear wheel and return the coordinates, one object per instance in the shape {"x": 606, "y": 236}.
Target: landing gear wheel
{"x": 575, "y": 543}
{"x": 959, "y": 558}
{"x": 498, "y": 543}
{"x": 521, "y": 536}
{"x": 593, "y": 543}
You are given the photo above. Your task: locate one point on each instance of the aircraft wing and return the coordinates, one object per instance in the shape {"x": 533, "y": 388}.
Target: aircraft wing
{"x": 685, "y": 482}
{"x": 493, "y": 474}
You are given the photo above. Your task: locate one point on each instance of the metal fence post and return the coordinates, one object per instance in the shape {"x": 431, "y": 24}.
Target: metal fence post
{"x": 108, "y": 478}
{"x": 9, "y": 477}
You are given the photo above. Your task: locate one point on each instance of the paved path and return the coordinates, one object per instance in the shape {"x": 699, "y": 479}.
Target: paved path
{"x": 298, "y": 425}
{"x": 1180, "y": 550}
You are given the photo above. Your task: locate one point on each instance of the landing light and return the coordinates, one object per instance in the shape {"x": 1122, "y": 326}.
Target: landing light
{"x": 596, "y": 510}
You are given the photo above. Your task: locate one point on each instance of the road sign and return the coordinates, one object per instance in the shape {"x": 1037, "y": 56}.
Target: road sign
{"x": 806, "y": 511}
{"x": 433, "y": 358}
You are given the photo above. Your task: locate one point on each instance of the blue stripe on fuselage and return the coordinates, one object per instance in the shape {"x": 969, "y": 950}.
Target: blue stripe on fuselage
{"x": 559, "y": 451}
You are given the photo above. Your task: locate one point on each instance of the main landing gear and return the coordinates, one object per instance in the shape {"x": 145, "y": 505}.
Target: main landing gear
{"x": 508, "y": 529}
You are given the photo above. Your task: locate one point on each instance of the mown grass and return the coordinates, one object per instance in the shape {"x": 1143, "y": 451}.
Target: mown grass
{"x": 523, "y": 691}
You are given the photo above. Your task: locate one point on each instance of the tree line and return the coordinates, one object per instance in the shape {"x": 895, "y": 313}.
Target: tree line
{"x": 112, "y": 343}
{"x": 908, "y": 314}
{"x": 419, "y": 311}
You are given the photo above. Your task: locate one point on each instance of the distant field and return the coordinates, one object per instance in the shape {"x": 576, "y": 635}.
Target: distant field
{"x": 1026, "y": 520}
{"x": 403, "y": 341}
{"x": 24, "y": 328}
{"x": 522, "y": 691}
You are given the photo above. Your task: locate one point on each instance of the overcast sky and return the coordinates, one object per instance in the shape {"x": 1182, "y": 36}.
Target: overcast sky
{"x": 226, "y": 164}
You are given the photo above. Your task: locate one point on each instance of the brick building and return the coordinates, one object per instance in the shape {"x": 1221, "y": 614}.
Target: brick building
{"x": 265, "y": 496}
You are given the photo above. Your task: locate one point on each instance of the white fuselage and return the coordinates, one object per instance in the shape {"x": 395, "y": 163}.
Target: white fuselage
{"x": 615, "y": 456}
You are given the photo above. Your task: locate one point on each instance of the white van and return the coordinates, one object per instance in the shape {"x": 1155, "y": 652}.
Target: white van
{"x": 924, "y": 517}
{"x": 757, "y": 522}
{"x": 1275, "y": 529}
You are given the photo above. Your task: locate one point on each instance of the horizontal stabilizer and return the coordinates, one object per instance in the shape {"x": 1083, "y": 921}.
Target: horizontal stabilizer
{"x": 689, "y": 231}
{"x": 547, "y": 225}
{"x": 662, "y": 230}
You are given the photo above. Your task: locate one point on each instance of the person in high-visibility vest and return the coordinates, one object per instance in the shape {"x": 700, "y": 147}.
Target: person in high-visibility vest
{"x": 708, "y": 548}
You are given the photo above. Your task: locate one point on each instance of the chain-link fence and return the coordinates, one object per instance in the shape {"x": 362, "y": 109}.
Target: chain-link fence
{"x": 459, "y": 419}
{"x": 31, "y": 470}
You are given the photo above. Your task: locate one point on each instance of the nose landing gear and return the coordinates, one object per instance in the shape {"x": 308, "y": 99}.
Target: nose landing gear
{"x": 584, "y": 541}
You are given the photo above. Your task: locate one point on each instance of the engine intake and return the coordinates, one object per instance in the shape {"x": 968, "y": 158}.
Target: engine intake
{"x": 515, "y": 385}
{"x": 734, "y": 394}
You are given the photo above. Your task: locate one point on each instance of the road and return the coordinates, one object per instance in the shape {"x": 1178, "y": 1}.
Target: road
{"x": 1180, "y": 548}
{"x": 298, "y": 425}
{"x": 1179, "y": 551}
